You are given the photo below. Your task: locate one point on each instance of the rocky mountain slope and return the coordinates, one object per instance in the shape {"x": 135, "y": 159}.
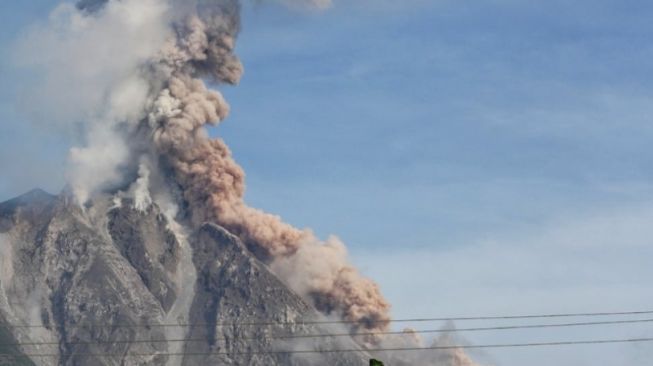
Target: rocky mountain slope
{"x": 106, "y": 284}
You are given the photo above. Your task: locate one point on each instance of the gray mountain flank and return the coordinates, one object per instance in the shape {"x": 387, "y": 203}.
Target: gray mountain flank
{"x": 95, "y": 285}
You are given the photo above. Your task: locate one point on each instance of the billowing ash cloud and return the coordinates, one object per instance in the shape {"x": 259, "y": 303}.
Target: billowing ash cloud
{"x": 131, "y": 74}
{"x": 445, "y": 356}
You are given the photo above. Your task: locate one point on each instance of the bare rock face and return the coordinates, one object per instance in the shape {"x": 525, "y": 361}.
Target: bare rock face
{"x": 150, "y": 247}
{"x": 111, "y": 285}
{"x": 9, "y": 354}
{"x": 247, "y": 311}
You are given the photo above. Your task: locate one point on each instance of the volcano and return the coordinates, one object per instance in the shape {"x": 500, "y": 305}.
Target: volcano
{"x": 110, "y": 284}
{"x": 152, "y": 255}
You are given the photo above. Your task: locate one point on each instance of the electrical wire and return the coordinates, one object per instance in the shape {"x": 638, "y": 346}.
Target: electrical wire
{"x": 319, "y": 322}
{"x": 344, "y": 334}
{"x": 351, "y": 350}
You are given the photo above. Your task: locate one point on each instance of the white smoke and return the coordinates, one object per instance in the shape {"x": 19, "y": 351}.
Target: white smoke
{"x": 89, "y": 65}
{"x": 97, "y": 166}
{"x": 140, "y": 189}
{"x": 133, "y": 73}
{"x": 6, "y": 262}
{"x": 91, "y": 79}
{"x": 450, "y": 353}
{"x": 321, "y": 271}
{"x": 318, "y": 262}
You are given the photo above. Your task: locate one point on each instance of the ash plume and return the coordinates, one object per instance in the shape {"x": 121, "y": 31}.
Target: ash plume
{"x": 144, "y": 104}
{"x": 454, "y": 356}
{"x": 212, "y": 183}
{"x": 148, "y": 115}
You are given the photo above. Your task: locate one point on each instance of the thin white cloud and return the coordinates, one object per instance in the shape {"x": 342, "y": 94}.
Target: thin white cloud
{"x": 598, "y": 262}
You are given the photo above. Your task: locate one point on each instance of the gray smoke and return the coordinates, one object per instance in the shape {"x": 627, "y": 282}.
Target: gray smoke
{"x": 454, "y": 356}
{"x": 132, "y": 73}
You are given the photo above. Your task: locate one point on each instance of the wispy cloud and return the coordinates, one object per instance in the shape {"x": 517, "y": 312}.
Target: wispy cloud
{"x": 599, "y": 262}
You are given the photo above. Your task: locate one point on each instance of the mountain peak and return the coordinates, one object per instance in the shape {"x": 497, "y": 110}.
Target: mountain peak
{"x": 36, "y": 195}
{"x": 131, "y": 275}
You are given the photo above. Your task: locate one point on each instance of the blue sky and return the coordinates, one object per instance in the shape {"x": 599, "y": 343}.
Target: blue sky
{"x": 478, "y": 157}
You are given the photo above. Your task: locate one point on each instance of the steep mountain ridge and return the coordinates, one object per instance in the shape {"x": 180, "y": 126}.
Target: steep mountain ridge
{"x": 96, "y": 286}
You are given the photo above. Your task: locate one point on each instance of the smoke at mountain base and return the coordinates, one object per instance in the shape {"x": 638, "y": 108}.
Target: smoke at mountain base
{"x": 435, "y": 357}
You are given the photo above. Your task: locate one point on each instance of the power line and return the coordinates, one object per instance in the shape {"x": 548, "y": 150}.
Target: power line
{"x": 351, "y": 350}
{"x": 320, "y": 322}
{"x": 329, "y": 335}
